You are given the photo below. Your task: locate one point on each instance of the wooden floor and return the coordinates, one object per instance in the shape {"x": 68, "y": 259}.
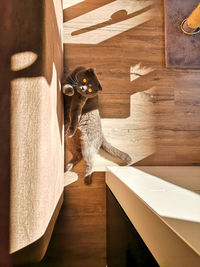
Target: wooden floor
{"x": 79, "y": 237}
{"x": 147, "y": 110}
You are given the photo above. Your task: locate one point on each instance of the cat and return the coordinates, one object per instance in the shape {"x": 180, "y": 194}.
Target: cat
{"x": 82, "y": 84}
{"x": 88, "y": 138}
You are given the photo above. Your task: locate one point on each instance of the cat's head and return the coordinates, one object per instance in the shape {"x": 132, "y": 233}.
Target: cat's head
{"x": 87, "y": 83}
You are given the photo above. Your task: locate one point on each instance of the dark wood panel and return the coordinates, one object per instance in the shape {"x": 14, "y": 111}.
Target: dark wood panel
{"x": 8, "y": 39}
{"x": 125, "y": 248}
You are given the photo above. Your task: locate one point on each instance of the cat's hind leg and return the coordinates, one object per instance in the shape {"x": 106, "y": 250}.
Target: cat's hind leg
{"x": 89, "y": 156}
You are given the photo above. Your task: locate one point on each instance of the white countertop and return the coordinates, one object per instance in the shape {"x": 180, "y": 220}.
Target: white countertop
{"x": 172, "y": 195}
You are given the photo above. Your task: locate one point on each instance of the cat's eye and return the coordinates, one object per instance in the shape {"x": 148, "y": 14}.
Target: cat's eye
{"x": 90, "y": 90}
{"x": 84, "y": 80}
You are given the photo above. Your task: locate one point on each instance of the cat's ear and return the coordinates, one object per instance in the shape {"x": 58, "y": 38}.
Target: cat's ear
{"x": 99, "y": 86}
{"x": 91, "y": 70}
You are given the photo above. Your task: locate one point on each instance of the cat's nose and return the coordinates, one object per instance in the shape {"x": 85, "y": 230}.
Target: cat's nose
{"x": 83, "y": 88}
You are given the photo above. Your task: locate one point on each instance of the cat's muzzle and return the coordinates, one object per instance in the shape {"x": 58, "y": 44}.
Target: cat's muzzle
{"x": 83, "y": 88}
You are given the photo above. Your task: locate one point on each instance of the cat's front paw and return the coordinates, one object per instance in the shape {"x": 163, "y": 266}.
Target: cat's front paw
{"x": 69, "y": 166}
{"x": 67, "y": 89}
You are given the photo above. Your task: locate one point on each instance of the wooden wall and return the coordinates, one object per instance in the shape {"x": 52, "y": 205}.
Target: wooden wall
{"x": 125, "y": 248}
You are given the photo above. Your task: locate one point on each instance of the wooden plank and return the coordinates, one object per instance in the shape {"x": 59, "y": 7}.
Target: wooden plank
{"x": 79, "y": 238}
{"x": 120, "y": 107}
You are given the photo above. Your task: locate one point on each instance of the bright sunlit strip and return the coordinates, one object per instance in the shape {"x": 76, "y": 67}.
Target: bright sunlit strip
{"x": 23, "y": 60}
{"x": 103, "y": 14}
{"x": 163, "y": 197}
{"x": 69, "y": 3}
{"x": 138, "y": 70}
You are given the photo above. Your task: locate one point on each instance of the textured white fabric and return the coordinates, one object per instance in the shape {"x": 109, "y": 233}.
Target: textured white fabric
{"x": 37, "y": 151}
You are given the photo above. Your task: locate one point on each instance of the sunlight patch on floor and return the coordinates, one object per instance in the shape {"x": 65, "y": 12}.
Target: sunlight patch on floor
{"x": 104, "y": 15}
{"x": 95, "y": 27}
{"x": 137, "y": 71}
{"x": 69, "y": 3}
{"x": 128, "y": 135}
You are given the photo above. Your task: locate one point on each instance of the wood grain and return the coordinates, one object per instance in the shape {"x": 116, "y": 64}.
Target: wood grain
{"x": 156, "y": 116}
{"x": 164, "y": 128}
{"x": 79, "y": 237}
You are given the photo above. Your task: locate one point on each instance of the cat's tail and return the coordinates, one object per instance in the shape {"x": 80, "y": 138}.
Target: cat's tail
{"x": 116, "y": 152}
